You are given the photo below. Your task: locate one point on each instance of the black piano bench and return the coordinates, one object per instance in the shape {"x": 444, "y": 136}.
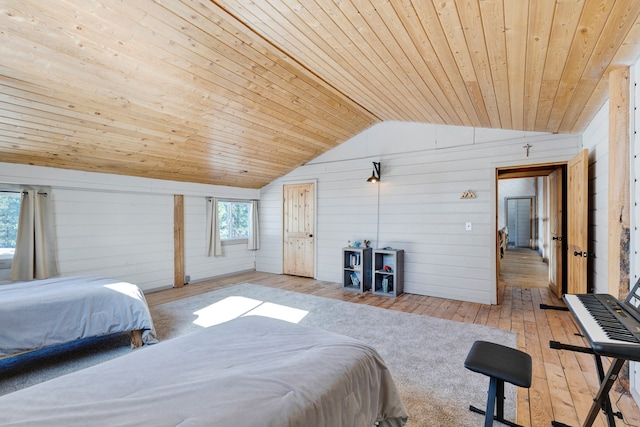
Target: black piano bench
{"x": 500, "y": 364}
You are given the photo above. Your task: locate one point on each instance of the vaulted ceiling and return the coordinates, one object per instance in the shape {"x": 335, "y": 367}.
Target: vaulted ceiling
{"x": 240, "y": 92}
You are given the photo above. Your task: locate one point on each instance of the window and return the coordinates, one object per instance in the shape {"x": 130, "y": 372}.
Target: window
{"x": 9, "y": 215}
{"x": 233, "y": 220}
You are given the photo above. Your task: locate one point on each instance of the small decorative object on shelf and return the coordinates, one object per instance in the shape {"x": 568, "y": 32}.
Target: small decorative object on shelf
{"x": 388, "y": 272}
{"x": 356, "y": 268}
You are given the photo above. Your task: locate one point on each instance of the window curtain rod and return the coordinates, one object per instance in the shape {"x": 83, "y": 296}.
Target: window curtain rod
{"x": 224, "y": 199}
{"x": 23, "y": 192}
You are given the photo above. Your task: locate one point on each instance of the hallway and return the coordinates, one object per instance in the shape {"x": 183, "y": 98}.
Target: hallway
{"x": 524, "y": 268}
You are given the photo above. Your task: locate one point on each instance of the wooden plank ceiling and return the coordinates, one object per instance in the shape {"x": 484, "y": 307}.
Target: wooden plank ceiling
{"x": 240, "y": 92}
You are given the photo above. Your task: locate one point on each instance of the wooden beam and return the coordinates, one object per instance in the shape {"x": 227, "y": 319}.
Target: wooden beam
{"x": 178, "y": 240}
{"x": 619, "y": 198}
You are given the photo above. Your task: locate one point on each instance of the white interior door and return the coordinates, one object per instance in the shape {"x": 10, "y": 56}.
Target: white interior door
{"x": 519, "y": 222}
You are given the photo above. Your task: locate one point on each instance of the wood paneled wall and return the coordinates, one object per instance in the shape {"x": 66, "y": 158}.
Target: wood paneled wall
{"x": 515, "y": 187}
{"x": 235, "y": 258}
{"x": 596, "y": 140}
{"x": 419, "y": 203}
{"x": 121, "y": 235}
{"x": 122, "y": 227}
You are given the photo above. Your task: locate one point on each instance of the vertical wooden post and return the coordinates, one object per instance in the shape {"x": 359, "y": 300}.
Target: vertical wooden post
{"x": 178, "y": 240}
{"x": 619, "y": 197}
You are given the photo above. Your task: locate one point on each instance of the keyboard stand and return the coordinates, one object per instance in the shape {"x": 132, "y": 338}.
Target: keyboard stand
{"x": 601, "y": 401}
{"x": 553, "y": 307}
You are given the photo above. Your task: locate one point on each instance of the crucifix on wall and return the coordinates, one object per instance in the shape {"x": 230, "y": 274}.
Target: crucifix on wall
{"x": 526, "y": 147}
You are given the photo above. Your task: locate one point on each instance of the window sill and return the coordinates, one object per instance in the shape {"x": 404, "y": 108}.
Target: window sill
{"x": 232, "y": 242}
{"x": 6, "y": 259}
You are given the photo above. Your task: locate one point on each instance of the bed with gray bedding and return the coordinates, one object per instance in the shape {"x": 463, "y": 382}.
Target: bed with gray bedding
{"x": 43, "y": 313}
{"x": 249, "y": 372}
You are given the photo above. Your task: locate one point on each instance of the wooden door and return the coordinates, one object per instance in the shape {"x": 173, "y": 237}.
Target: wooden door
{"x": 577, "y": 223}
{"x": 298, "y": 230}
{"x": 556, "y": 232}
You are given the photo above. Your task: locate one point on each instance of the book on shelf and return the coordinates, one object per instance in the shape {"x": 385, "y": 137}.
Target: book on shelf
{"x": 355, "y": 280}
{"x": 387, "y": 284}
{"x": 355, "y": 261}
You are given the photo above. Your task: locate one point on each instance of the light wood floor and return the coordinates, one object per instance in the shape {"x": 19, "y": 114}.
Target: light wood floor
{"x": 564, "y": 382}
{"x": 524, "y": 268}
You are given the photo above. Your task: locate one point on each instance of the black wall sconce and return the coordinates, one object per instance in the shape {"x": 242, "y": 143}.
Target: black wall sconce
{"x": 375, "y": 176}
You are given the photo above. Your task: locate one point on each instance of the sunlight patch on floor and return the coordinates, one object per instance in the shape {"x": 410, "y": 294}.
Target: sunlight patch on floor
{"x": 234, "y": 307}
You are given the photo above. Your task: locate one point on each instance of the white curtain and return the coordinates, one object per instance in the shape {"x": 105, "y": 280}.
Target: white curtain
{"x": 214, "y": 246}
{"x": 254, "y": 230}
{"x": 35, "y": 255}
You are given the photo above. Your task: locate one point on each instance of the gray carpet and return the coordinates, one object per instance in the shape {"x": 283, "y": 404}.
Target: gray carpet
{"x": 424, "y": 354}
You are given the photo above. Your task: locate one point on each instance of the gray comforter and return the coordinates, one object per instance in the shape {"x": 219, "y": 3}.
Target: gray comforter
{"x": 42, "y": 313}
{"x": 252, "y": 371}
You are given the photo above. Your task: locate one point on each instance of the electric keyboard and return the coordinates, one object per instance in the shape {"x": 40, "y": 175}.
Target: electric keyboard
{"x": 611, "y": 326}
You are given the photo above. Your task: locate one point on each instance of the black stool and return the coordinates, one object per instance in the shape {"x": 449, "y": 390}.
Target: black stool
{"x": 500, "y": 364}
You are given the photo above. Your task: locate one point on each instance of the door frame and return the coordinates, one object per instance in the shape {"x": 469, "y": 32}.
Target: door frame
{"x": 518, "y": 169}
{"x": 315, "y": 222}
{"x": 557, "y": 226}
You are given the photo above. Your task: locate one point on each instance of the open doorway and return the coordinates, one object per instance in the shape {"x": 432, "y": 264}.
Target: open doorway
{"x": 562, "y": 192}
{"x": 530, "y": 212}
{"x": 523, "y": 262}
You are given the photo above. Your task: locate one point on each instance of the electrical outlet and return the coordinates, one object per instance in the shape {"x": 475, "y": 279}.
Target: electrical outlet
{"x": 467, "y": 226}
{"x": 187, "y": 279}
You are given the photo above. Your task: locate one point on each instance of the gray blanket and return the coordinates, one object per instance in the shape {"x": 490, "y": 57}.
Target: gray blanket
{"x": 252, "y": 371}
{"x": 41, "y": 313}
